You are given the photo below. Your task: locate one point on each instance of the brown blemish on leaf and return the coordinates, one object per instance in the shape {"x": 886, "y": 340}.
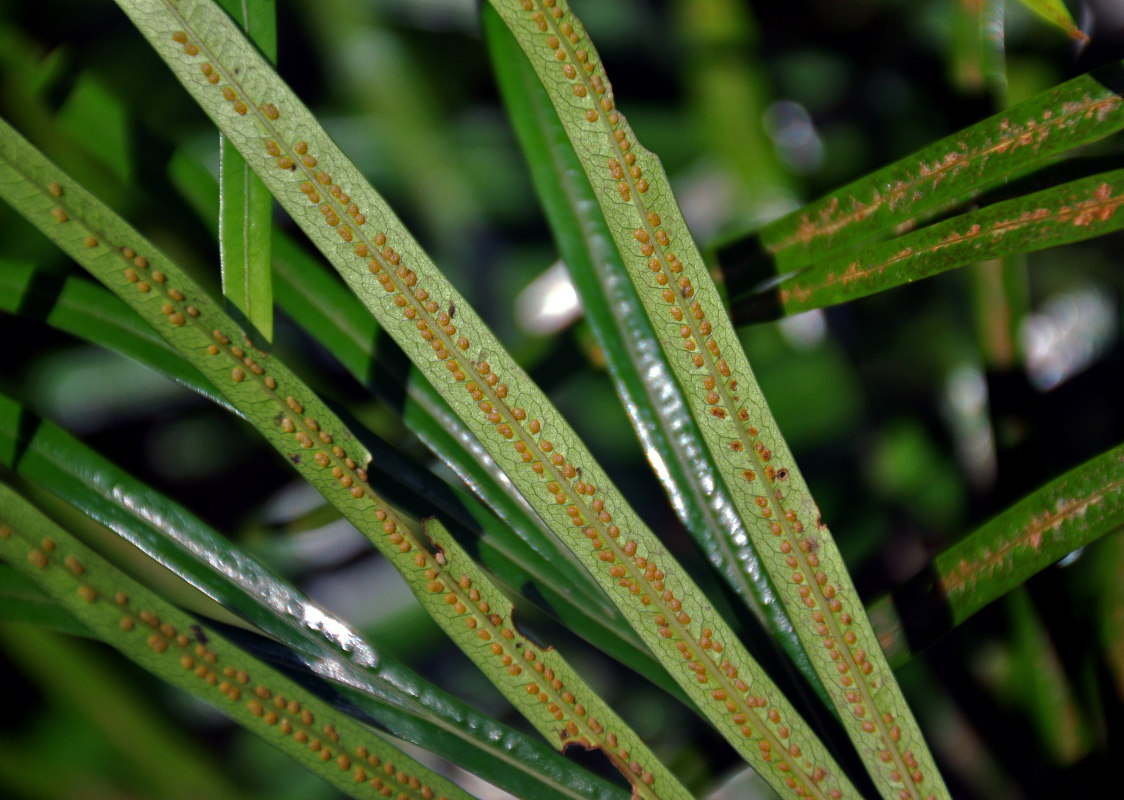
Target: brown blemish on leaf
{"x": 1098, "y": 209}
{"x": 964, "y": 574}
{"x": 928, "y": 175}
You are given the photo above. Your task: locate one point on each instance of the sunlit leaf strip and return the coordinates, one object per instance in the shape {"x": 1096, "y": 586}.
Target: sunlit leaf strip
{"x": 860, "y": 675}
{"x": 167, "y": 641}
{"x": 798, "y": 760}
{"x": 564, "y": 701}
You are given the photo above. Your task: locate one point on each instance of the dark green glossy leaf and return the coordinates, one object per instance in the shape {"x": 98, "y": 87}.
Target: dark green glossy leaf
{"x": 396, "y": 697}
{"x": 1066, "y": 514}
{"x": 246, "y": 208}
{"x": 952, "y": 170}
{"x": 1069, "y": 213}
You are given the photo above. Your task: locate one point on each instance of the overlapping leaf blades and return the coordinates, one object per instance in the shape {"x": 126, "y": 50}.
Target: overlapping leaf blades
{"x": 351, "y": 224}
{"x": 644, "y": 379}
{"x": 820, "y": 251}
{"x": 188, "y": 654}
{"x": 699, "y": 341}
{"x": 389, "y": 693}
{"x": 327, "y": 454}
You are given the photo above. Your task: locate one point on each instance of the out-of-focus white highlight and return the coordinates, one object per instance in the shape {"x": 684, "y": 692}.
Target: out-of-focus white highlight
{"x": 549, "y": 303}
{"x": 805, "y": 331}
{"x": 1069, "y": 333}
{"x": 965, "y": 408}
{"x": 797, "y": 142}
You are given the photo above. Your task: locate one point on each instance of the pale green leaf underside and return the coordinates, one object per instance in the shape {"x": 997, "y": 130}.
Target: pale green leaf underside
{"x": 184, "y": 652}
{"x": 644, "y": 379}
{"x": 290, "y": 416}
{"x": 365, "y": 241}
{"x": 687, "y": 311}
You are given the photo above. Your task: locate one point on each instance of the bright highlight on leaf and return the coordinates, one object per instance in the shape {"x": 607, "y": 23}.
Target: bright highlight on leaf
{"x": 185, "y": 652}
{"x": 329, "y": 455}
{"x": 392, "y": 695}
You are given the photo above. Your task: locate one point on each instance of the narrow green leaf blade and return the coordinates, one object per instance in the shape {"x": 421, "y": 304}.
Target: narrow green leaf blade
{"x": 1040, "y": 686}
{"x": 524, "y": 433}
{"x": 246, "y": 206}
{"x": 1064, "y": 515}
{"x": 191, "y": 655}
{"x": 244, "y": 241}
{"x": 1072, "y": 212}
{"x": 1109, "y": 566}
{"x": 644, "y": 380}
{"x": 981, "y": 156}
